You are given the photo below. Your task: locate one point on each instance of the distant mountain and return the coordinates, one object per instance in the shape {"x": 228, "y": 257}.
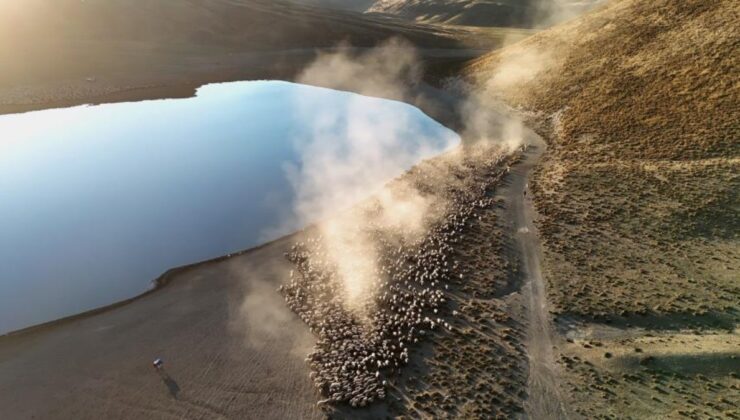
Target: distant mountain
{"x": 504, "y": 13}
{"x": 354, "y": 5}
{"x": 264, "y": 24}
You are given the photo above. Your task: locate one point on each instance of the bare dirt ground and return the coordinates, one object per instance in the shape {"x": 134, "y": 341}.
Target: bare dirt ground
{"x": 545, "y": 399}
{"x": 521, "y": 13}
{"x": 181, "y": 77}
{"x": 69, "y": 52}
{"x": 231, "y": 347}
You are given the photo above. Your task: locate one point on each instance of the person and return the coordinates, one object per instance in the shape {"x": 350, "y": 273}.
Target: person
{"x": 158, "y": 363}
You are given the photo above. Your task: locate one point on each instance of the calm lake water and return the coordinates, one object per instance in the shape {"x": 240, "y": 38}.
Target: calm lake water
{"x": 97, "y": 201}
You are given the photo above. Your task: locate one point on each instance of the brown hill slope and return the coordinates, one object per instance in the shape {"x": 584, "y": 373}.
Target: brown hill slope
{"x": 642, "y": 104}
{"x": 354, "y": 5}
{"x": 114, "y": 43}
{"x": 259, "y": 24}
{"x": 461, "y": 12}
{"x": 638, "y": 197}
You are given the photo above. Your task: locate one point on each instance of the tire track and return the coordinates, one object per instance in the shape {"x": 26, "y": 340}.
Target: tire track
{"x": 545, "y": 400}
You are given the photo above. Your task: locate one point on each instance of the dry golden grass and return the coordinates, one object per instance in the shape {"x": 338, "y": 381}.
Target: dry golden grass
{"x": 639, "y": 194}
{"x": 638, "y": 200}
{"x": 636, "y": 238}
{"x": 643, "y": 80}
{"x": 662, "y": 376}
{"x": 478, "y": 369}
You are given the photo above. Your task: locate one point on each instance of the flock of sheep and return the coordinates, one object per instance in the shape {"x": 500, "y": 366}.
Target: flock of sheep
{"x": 361, "y": 344}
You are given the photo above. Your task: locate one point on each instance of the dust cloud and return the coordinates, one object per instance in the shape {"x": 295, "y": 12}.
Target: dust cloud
{"x": 259, "y": 315}
{"x": 508, "y": 73}
{"x": 485, "y": 117}
{"x": 551, "y": 12}
{"x": 387, "y": 71}
{"x": 336, "y": 174}
{"x": 515, "y": 66}
{"x": 346, "y": 166}
{"x": 341, "y": 168}
{"x": 363, "y": 218}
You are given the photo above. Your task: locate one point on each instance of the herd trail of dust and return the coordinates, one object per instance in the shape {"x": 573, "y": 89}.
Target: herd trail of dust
{"x": 484, "y": 115}
{"x": 551, "y": 12}
{"x": 337, "y": 173}
{"x": 508, "y": 74}
{"x": 331, "y": 180}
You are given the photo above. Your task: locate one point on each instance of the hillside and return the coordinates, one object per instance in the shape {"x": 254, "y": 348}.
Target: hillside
{"x": 354, "y": 5}
{"x": 254, "y": 24}
{"x": 460, "y": 12}
{"x": 638, "y": 197}
{"x": 53, "y": 50}
{"x": 507, "y": 13}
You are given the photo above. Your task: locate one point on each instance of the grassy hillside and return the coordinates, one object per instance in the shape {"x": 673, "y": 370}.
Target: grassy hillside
{"x": 638, "y": 197}
{"x": 640, "y": 105}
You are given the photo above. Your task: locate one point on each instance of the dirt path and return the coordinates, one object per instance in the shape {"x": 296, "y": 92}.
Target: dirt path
{"x": 544, "y": 396}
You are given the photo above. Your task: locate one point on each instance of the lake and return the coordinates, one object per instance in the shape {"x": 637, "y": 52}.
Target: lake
{"x": 98, "y": 201}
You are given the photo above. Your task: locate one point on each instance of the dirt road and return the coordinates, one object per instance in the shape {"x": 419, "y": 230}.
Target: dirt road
{"x": 544, "y": 396}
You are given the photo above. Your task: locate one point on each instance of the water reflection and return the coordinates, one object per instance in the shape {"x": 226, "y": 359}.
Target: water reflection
{"x": 97, "y": 201}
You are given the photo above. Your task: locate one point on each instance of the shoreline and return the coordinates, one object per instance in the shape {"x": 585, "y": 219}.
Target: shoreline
{"x": 183, "y": 82}
{"x": 218, "y": 324}
{"x": 223, "y": 306}
{"x": 222, "y": 302}
{"x": 432, "y": 106}
{"x": 158, "y": 283}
